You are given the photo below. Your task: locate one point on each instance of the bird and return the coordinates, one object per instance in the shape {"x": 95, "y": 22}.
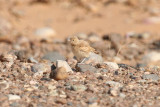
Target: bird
{"x": 81, "y": 49}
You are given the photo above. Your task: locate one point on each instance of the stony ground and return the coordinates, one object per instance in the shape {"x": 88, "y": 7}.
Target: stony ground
{"x": 39, "y": 69}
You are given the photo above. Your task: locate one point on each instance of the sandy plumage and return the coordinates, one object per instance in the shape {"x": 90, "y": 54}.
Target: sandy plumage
{"x": 80, "y": 48}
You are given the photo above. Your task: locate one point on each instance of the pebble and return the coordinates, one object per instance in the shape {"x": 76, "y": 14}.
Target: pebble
{"x": 82, "y": 36}
{"x": 60, "y": 74}
{"x": 114, "y": 84}
{"x": 85, "y": 67}
{"x": 153, "y": 77}
{"x": 93, "y": 58}
{"x": 53, "y": 93}
{"x": 94, "y": 37}
{"x": 40, "y": 67}
{"x": 61, "y": 63}
{"x": 122, "y": 95}
{"x": 45, "y": 32}
{"x": 78, "y": 87}
{"x": 113, "y": 92}
{"x": 32, "y": 60}
{"x": 112, "y": 65}
{"x": 53, "y": 56}
{"x": 151, "y": 57}
{"x": 13, "y": 97}
{"x": 3, "y": 85}
{"x": 8, "y": 57}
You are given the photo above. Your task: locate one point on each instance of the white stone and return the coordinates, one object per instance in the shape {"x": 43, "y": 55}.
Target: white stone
{"x": 112, "y": 65}
{"x": 13, "y": 97}
{"x": 61, "y": 63}
{"x": 152, "y": 57}
{"x": 45, "y": 32}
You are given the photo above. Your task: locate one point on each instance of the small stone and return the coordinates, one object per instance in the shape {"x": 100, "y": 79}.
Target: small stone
{"x": 93, "y": 58}
{"x": 8, "y": 57}
{"x": 39, "y": 69}
{"x": 113, "y": 92}
{"x": 153, "y": 77}
{"x": 45, "y": 32}
{"x": 53, "y": 56}
{"x": 104, "y": 70}
{"x": 61, "y": 63}
{"x": 114, "y": 84}
{"x": 112, "y": 65}
{"x": 32, "y": 60}
{"x": 53, "y": 93}
{"x": 151, "y": 57}
{"x": 94, "y": 38}
{"x": 122, "y": 95}
{"x": 13, "y": 97}
{"x": 85, "y": 67}
{"x": 78, "y": 87}
{"x": 61, "y": 101}
{"x": 82, "y": 36}
{"x": 60, "y": 74}
{"x": 3, "y": 85}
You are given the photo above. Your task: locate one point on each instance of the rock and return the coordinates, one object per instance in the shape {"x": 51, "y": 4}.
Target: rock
{"x": 60, "y": 63}
{"x": 85, "y": 67}
{"x": 5, "y": 27}
{"x": 94, "y": 38}
{"x": 113, "y": 92}
{"x": 45, "y": 32}
{"x": 53, "y": 93}
{"x": 32, "y": 60}
{"x": 82, "y": 36}
{"x": 112, "y": 65}
{"x": 78, "y": 87}
{"x": 13, "y": 97}
{"x": 3, "y": 85}
{"x": 60, "y": 74}
{"x": 104, "y": 70}
{"x": 53, "y": 56}
{"x": 122, "y": 95}
{"x": 114, "y": 84}
{"x": 39, "y": 69}
{"x": 93, "y": 58}
{"x": 21, "y": 55}
{"x": 8, "y": 57}
{"x": 151, "y": 57}
{"x": 153, "y": 77}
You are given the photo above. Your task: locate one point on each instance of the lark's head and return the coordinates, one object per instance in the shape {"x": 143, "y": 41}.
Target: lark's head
{"x": 74, "y": 40}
